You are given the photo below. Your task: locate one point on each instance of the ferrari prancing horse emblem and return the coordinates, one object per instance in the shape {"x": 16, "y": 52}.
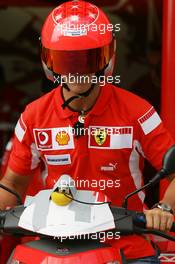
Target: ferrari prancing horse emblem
{"x": 100, "y": 136}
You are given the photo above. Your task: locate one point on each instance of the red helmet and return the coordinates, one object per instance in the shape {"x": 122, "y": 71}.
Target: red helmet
{"x": 73, "y": 40}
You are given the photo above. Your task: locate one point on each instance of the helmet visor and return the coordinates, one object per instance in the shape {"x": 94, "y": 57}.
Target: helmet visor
{"x": 78, "y": 61}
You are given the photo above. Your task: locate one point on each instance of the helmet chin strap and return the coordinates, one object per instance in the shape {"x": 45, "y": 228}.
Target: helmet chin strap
{"x": 78, "y": 96}
{"x": 81, "y": 95}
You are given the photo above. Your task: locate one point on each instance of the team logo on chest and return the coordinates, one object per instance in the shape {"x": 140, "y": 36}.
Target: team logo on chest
{"x": 62, "y": 138}
{"x": 100, "y": 136}
{"x": 53, "y": 138}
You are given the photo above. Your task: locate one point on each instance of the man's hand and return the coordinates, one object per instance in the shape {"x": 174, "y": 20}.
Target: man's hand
{"x": 15, "y": 182}
{"x": 158, "y": 219}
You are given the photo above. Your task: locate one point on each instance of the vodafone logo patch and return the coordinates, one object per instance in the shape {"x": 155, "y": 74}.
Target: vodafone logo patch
{"x": 43, "y": 139}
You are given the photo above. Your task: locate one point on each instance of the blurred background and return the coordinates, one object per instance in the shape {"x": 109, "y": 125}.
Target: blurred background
{"x": 22, "y": 78}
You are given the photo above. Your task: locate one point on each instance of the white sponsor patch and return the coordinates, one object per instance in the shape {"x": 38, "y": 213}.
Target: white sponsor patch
{"x": 20, "y": 129}
{"x": 75, "y": 33}
{"x": 53, "y": 138}
{"x": 121, "y": 141}
{"x": 149, "y": 121}
{"x": 102, "y": 137}
{"x": 58, "y": 159}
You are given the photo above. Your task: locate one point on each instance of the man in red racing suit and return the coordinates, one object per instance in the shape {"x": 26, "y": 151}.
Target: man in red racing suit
{"x": 118, "y": 129}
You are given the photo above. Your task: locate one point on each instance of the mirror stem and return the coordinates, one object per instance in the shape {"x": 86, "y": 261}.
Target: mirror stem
{"x": 160, "y": 175}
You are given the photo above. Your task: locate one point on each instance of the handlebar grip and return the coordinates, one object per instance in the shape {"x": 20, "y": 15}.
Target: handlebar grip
{"x": 140, "y": 220}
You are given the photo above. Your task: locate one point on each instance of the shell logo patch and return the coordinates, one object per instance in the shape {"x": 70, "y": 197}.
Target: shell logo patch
{"x": 62, "y": 138}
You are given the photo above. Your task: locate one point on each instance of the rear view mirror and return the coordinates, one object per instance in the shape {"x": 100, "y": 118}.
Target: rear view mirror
{"x": 169, "y": 161}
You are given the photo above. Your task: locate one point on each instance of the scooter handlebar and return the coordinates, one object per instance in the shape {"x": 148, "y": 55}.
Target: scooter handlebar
{"x": 127, "y": 222}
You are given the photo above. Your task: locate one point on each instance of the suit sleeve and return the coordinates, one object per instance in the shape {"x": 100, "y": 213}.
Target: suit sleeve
{"x": 153, "y": 136}
{"x": 24, "y": 157}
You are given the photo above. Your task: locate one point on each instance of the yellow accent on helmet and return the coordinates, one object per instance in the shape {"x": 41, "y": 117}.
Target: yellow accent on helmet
{"x": 60, "y": 199}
